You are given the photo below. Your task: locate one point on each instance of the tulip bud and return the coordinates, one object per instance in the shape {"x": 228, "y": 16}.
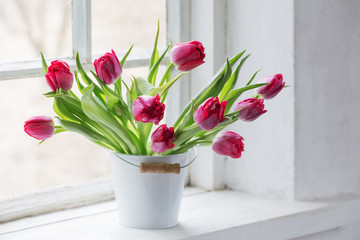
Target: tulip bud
{"x": 59, "y": 76}
{"x": 229, "y": 144}
{"x": 108, "y": 68}
{"x": 162, "y": 138}
{"x": 40, "y": 127}
{"x": 187, "y": 56}
{"x": 148, "y": 109}
{"x": 210, "y": 113}
{"x": 251, "y": 109}
{"x": 274, "y": 86}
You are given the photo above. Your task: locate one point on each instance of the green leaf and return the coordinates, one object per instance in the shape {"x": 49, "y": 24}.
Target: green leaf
{"x": 164, "y": 88}
{"x": 188, "y": 116}
{"x": 155, "y": 53}
{"x": 128, "y": 96}
{"x": 218, "y": 76}
{"x": 122, "y": 62}
{"x": 115, "y": 103}
{"x": 186, "y": 134}
{"x": 117, "y": 87}
{"x": 97, "y": 91}
{"x": 216, "y": 87}
{"x": 233, "y": 95}
{"x": 252, "y": 78}
{"x": 80, "y": 86}
{"x": 83, "y": 74}
{"x": 231, "y": 82}
{"x": 59, "y": 129}
{"x": 167, "y": 74}
{"x": 62, "y": 110}
{"x": 43, "y": 62}
{"x": 88, "y": 133}
{"x": 117, "y": 83}
{"x": 52, "y": 94}
{"x": 153, "y": 71}
{"x": 132, "y": 93}
{"x": 144, "y": 86}
{"x": 144, "y": 131}
{"x": 213, "y": 90}
{"x": 96, "y": 111}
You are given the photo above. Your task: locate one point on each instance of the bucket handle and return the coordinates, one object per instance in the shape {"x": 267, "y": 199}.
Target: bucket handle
{"x": 161, "y": 168}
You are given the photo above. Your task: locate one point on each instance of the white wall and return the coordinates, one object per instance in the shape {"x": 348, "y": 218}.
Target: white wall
{"x": 305, "y": 146}
{"x": 327, "y": 64}
{"x": 265, "y": 29}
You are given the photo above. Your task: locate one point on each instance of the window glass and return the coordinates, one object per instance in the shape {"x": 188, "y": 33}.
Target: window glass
{"x": 26, "y": 166}
{"x": 116, "y": 24}
{"x": 66, "y": 158}
{"x": 30, "y": 26}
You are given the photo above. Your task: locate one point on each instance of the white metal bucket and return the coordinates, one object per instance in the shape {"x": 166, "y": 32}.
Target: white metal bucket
{"x": 147, "y": 200}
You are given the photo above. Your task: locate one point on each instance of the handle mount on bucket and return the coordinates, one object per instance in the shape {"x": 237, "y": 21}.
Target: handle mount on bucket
{"x": 160, "y": 167}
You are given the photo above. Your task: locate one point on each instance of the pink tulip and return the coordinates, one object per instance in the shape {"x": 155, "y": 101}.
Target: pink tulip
{"x": 148, "y": 109}
{"x": 40, "y": 127}
{"x": 59, "y": 76}
{"x": 270, "y": 90}
{"x": 229, "y": 144}
{"x": 251, "y": 109}
{"x": 187, "y": 56}
{"x": 108, "y": 68}
{"x": 162, "y": 138}
{"x": 210, "y": 113}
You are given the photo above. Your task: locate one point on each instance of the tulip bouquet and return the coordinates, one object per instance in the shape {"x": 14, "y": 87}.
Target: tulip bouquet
{"x": 124, "y": 123}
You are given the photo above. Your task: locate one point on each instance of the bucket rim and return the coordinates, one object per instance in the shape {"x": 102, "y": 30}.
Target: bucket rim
{"x": 157, "y": 156}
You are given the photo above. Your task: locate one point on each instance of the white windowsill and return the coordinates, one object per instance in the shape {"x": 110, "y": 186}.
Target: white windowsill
{"x": 203, "y": 215}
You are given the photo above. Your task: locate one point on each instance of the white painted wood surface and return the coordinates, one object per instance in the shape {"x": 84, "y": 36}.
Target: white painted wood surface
{"x": 208, "y": 25}
{"x": 204, "y": 215}
{"x": 81, "y": 29}
{"x": 56, "y": 199}
{"x": 16, "y": 70}
{"x": 267, "y": 164}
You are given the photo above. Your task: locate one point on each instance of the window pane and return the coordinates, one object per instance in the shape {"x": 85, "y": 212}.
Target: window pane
{"x": 116, "y": 24}
{"x": 26, "y": 166}
{"x": 66, "y": 158}
{"x": 30, "y": 26}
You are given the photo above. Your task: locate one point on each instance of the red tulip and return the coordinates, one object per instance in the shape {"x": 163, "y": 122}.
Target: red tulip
{"x": 251, "y": 109}
{"x": 40, "y": 127}
{"x": 187, "y": 56}
{"x": 210, "y": 113}
{"x": 229, "y": 144}
{"x": 148, "y": 109}
{"x": 108, "y": 68}
{"x": 162, "y": 138}
{"x": 270, "y": 90}
{"x": 59, "y": 76}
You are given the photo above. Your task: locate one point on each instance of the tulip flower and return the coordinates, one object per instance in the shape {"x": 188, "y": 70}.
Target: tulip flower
{"x": 59, "y": 76}
{"x": 210, "y": 113}
{"x": 229, "y": 144}
{"x": 162, "y": 138}
{"x": 40, "y": 127}
{"x": 108, "y": 68}
{"x": 187, "y": 56}
{"x": 251, "y": 109}
{"x": 148, "y": 109}
{"x": 274, "y": 86}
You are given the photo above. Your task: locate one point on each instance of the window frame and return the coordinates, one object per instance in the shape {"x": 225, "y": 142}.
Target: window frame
{"x": 97, "y": 190}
